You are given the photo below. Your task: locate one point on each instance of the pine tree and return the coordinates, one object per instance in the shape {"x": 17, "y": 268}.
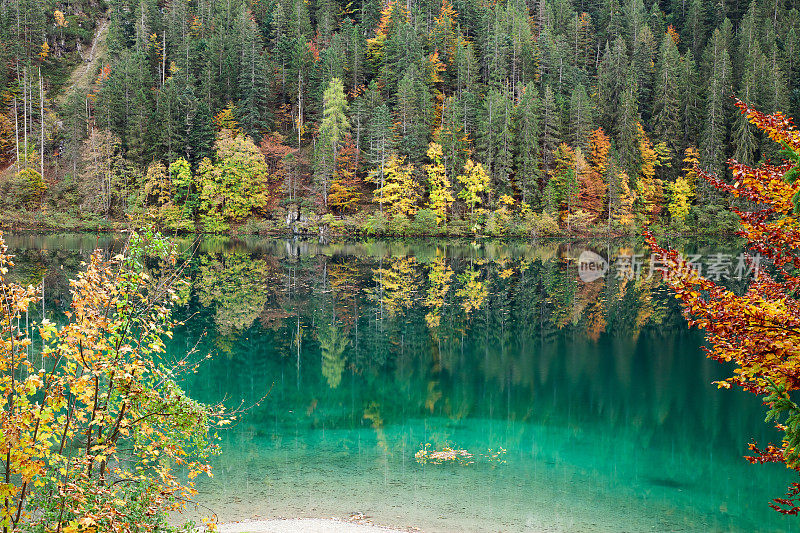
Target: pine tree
{"x": 713, "y": 137}
{"x": 626, "y": 127}
{"x": 253, "y": 112}
{"x": 667, "y": 102}
{"x": 495, "y": 136}
{"x": 450, "y": 135}
{"x": 200, "y": 139}
{"x": 691, "y": 101}
{"x": 412, "y": 115}
{"x": 581, "y": 120}
{"x": 612, "y": 80}
{"x": 551, "y": 129}
{"x": 643, "y": 70}
{"x": 527, "y": 152}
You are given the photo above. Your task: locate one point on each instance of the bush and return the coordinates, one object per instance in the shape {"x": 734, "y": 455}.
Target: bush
{"x": 425, "y": 223}
{"x": 544, "y": 224}
{"x": 375, "y": 224}
{"x": 100, "y": 428}
{"x": 23, "y": 189}
{"x": 398, "y": 225}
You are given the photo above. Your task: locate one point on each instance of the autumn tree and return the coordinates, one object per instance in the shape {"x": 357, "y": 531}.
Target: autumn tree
{"x": 649, "y": 188}
{"x": 234, "y": 185}
{"x": 758, "y": 330}
{"x": 564, "y": 180}
{"x": 439, "y": 193}
{"x": 474, "y": 181}
{"x": 276, "y": 154}
{"x": 346, "y": 188}
{"x": 332, "y": 129}
{"x": 99, "y": 185}
{"x": 100, "y": 426}
{"x": 400, "y": 191}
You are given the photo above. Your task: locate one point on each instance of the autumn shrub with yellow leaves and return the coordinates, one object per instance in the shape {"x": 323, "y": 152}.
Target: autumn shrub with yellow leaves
{"x": 95, "y": 432}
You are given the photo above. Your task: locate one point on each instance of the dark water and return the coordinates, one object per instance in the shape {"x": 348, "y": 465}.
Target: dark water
{"x": 584, "y": 406}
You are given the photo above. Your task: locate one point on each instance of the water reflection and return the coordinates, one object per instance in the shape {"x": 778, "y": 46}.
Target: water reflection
{"x": 597, "y": 391}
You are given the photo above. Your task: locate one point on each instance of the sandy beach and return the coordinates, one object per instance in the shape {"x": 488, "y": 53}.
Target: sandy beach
{"x": 307, "y": 525}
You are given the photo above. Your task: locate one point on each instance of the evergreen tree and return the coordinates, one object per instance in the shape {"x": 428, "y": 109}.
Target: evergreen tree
{"x": 667, "y": 102}
{"x": 527, "y": 146}
{"x": 254, "y": 98}
{"x": 412, "y": 115}
{"x": 496, "y": 142}
{"x": 718, "y": 90}
{"x": 551, "y": 129}
{"x": 581, "y": 119}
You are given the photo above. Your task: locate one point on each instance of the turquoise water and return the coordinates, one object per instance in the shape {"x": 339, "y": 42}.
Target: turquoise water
{"x": 584, "y": 406}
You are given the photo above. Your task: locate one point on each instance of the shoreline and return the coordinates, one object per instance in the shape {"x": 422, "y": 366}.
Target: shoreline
{"x": 353, "y": 524}
{"x": 594, "y": 233}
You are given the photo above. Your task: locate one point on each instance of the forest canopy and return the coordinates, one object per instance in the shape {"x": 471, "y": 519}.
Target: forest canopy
{"x": 580, "y": 114}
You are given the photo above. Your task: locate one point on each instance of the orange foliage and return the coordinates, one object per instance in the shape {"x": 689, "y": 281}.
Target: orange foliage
{"x": 346, "y": 189}
{"x": 673, "y": 34}
{"x": 275, "y": 154}
{"x": 759, "y": 330}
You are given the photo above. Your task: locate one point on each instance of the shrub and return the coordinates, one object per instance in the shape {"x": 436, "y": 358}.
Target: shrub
{"x": 544, "y": 224}
{"x": 98, "y": 420}
{"x": 375, "y": 224}
{"x": 398, "y": 225}
{"x": 425, "y": 222}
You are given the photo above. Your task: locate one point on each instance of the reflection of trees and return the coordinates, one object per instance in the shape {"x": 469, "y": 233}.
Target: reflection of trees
{"x": 472, "y": 292}
{"x": 439, "y": 276}
{"x": 397, "y": 286}
{"x": 559, "y": 284}
{"x": 332, "y": 341}
{"x": 489, "y": 332}
{"x": 236, "y": 285}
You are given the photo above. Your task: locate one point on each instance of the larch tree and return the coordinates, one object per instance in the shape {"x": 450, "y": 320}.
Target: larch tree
{"x": 649, "y": 189}
{"x": 332, "y": 129}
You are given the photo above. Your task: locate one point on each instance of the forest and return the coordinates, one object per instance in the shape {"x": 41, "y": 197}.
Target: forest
{"x": 512, "y": 117}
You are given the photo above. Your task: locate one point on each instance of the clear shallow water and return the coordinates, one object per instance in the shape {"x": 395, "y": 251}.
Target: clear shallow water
{"x": 600, "y": 397}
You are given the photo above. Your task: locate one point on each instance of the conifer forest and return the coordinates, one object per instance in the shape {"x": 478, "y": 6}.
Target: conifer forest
{"x": 507, "y": 117}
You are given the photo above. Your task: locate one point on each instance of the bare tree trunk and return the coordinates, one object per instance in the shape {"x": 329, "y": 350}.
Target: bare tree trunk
{"x": 25, "y": 114}
{"x": 41, "y": 119}
{"x": 16, "y": 130}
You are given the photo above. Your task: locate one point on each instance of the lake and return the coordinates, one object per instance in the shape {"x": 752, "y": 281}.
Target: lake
{"x": 561, "y": 402}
